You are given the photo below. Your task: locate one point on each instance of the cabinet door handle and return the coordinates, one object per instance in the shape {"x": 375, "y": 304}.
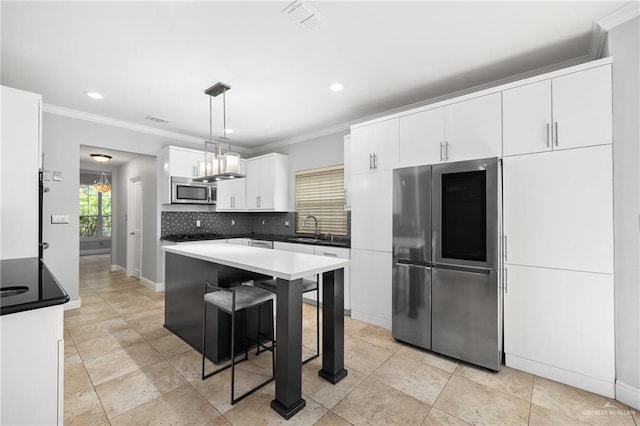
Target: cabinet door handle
{"x": 375, "y": 161}
{"x": 324, "y": 253}
{"x": 446, "y": 151}
{"x": 506, "y": 282}
{"x": 505, "y": 248}
{"x": 556, "y": 125}
{"x": 441, "y": 146}
{"x": 548, "y": 130}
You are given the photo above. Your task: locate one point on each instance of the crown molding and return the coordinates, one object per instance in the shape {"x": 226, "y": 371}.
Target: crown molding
{"x": 620, "y": 15}
{"x": 342, "y": 127}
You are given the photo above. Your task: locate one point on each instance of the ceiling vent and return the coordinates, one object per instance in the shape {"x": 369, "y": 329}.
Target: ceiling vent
{"x": 304, "y": 14}
{"x": 156, "y": 119}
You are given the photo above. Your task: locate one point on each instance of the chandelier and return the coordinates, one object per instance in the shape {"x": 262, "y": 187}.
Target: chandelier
{"x": 103, "y": 184}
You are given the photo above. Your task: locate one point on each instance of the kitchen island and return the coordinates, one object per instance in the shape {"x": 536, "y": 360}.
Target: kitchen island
{"x": 217, "y": 263}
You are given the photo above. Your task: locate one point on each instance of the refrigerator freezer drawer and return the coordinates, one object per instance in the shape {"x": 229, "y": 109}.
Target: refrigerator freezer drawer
{"x": 465, "y": 316}
{"x": 411, "y": 300}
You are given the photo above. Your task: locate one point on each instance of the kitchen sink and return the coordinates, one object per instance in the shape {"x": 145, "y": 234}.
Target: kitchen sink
{"x": 12, "y": 291}
{"x": 305, "y": 240}
{"x": 322, "y": 241}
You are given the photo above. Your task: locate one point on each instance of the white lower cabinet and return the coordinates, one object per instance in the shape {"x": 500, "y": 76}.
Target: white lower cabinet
{"x": 371, "y": 287}
{"x": 559, "y": 324}
{"x": 32, "y": 366}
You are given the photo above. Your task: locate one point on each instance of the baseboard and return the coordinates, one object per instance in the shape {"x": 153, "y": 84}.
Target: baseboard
{"x": 580, "y": 381}
{"x": 371, "y": 319}
{"x": 157, "y": 287}
{"x": 72, "y": 304}
{"x": 628, "y": 395}
{"x": 118, "y": 268}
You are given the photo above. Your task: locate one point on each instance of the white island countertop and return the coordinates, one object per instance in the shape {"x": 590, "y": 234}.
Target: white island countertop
{"x": 281, "y": 264}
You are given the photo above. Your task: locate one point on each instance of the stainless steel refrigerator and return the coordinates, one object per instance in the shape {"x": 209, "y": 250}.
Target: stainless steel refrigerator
{"x": 445, "y": 250}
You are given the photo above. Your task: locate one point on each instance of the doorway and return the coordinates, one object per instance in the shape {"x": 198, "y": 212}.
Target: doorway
{"x": 134, "y": 227}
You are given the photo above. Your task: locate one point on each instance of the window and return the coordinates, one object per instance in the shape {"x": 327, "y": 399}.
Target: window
{"x": 320, "y": 193}
{"x": 95, "y": 212}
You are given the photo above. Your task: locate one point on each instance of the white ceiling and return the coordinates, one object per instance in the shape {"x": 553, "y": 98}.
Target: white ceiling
{"x": 157, "y": 58}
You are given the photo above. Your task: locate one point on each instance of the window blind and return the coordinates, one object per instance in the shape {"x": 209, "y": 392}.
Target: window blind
{"x": 320, "y": 193}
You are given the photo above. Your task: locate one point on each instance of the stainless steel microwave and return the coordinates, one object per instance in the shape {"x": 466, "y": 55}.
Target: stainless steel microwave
{"x": 186, "y": 191}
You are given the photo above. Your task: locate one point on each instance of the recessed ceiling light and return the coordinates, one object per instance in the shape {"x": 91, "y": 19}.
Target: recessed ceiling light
{"x": 336, "y": 87}
{"x": 228, "y": 130}
{"x": 100, "y": 158}
{"x": 94, "y": 95}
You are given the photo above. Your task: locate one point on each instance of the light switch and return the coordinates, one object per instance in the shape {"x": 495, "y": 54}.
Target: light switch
{"x": 46, "y": 175}
{"x": 59, "y": 218}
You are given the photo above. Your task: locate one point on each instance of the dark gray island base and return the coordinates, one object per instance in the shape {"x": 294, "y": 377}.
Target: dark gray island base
{"x": 184, "y": 291}
{"x": 186, "y": 269}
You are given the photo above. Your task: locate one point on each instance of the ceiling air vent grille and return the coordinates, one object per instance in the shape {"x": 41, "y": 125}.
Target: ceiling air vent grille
{"x": 304, "y": 14}
{"x": 156, "y": 119}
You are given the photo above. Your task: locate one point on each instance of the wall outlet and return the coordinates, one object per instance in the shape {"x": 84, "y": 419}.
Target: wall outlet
{"x": 59, "y": 218}
{"x": 286, "y": 223}
{"x": 198, "y": 223}
{"x": 233, "y": 222}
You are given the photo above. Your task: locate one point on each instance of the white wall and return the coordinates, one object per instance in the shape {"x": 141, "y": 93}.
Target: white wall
{"x": 62, "y": 137}
{"x": 313, "y": 153}
{"x": 624, "y": 47}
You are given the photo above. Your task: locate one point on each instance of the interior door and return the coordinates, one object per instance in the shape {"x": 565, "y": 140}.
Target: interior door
{"x": 135, "y": 228}
{"x": 465, "y": 316}
{"x": 411, "y": 301}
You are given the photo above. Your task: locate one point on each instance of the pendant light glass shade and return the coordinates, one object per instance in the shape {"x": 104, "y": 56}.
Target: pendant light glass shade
{"x": 103, "y": 184}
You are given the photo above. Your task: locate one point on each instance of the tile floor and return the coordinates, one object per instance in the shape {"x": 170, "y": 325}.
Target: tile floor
{"x": 123, "y": 368}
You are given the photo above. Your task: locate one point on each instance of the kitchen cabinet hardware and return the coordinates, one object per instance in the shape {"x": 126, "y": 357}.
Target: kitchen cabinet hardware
{"x": 556, "y": 125}
{"x": 548, "y": 130}
{"x": 324, "y": 253}
{"x": 446, "y": 151}
{"x": 506, "y": 282}
{"x": 505, "y": 248}
{"x": 370, "y": 161}
{"x": 441, "y": 147}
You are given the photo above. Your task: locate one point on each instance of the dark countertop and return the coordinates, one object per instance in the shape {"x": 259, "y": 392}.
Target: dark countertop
{"x": 28, "y": 284}
{"x": 338, "y": 240}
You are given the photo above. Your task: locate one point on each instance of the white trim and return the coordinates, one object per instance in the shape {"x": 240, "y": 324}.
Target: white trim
{"x": 72, "y": 304}
{"x": 87, "y": 252}
{"x": 157, "y": 287}
{"x": 628, "y": 395}
{"x": 546, "y": 73}
{"x": 619, "y": 16}
{"x": 118, "y": 268}
{"x": 580, "y": 381}
{"x": 342, "y": 127}
{"x": 597, "y": 42}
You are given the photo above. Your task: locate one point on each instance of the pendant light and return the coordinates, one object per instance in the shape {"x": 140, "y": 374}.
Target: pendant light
{"x": 103, "y": 184}
{"x": 228, "y": 165}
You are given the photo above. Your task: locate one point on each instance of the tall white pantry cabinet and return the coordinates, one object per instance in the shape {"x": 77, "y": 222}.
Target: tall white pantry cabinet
{"x": 554, "y": 135}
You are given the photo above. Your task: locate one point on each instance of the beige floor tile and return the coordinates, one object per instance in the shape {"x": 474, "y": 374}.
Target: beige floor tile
{"x": 479, "y": 404}
{"x": 219, "y": 421}
{"x": 514, "y": 382}
{"x": 144, "y": 305}
{"x": 636, "y": 416}
{"x": 217, "y": 389}
{"x": 149, "y": 324}
{"x": 94, "y": 312}
{"x": 76, "y": 379}
{"x": 170, "y": 345}
{"x": 91, "y": 299}
{"x": 363, "y": 356}
{"x": 131, "y": 294}
{"x": 88, "y": 331}
{"x": 440, "y": 418}
{"x": 121, "y": 362}
{"x": 332, "y": 419}
{"x": 183, "y": 405}
{"x": 109, "y": 343}
{"x": 189, "y": 364}
{"x": 353, "y": 326}
{"x": 431, "y": 358}
{"x": 84, "y": 408}
{"x": 374, "y": 403}
{"x": 139, "y": 387}
{"x": 86, "y": 291}
{"x": 579, "y": 404}
{"x": 324, "y": 392}
{"x": 256, "y": 410}
{"x": 416, "y": 379}
{"x": 540, "y": 416}
{"x": 378, "y": 336}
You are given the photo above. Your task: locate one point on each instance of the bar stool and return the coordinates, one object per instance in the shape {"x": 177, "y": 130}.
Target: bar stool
{"x": 233, "y": 301}
{"x": 307, "y": 286}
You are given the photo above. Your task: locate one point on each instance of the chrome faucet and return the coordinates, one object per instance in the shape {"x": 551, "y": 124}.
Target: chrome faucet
{"x": 304, "y": 222}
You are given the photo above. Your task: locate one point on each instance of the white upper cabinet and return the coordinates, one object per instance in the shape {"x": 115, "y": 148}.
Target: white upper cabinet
{"x": 232, "y": 193}
{"x": 461, "y": 131}
{"x": 558, "y": 209}
{"x": 267, "y": 183}
{"x": 20, "y": 161}
{"x": 570, "y": 111}
{"x": 374, "y": 147}
{"x": 175, "y": 161}
{"x": 473, "y": 128}
{"x": 421, "y": 136}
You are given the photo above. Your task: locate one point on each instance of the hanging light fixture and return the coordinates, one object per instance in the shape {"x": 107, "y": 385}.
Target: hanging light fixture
{"x": 225, "y": 166}
{"x": 103, "y": 184}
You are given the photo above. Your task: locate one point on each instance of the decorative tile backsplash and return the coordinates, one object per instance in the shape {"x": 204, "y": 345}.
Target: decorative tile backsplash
{"x": 221, "y": 223}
